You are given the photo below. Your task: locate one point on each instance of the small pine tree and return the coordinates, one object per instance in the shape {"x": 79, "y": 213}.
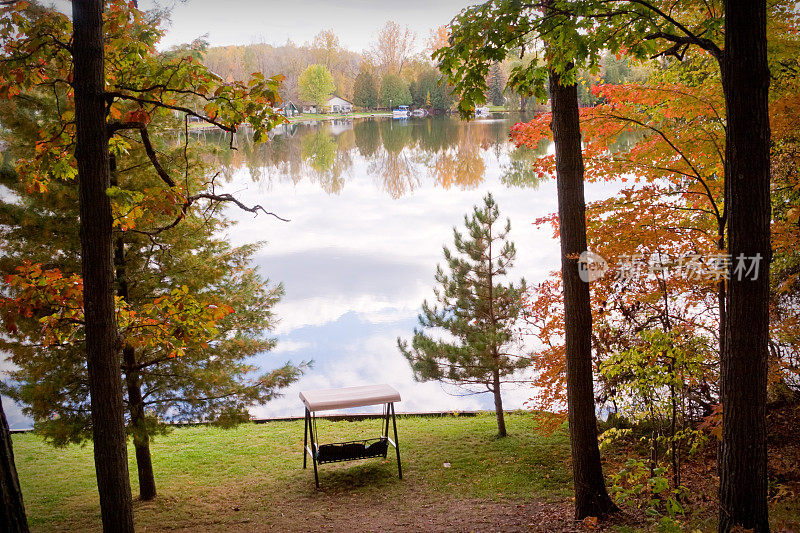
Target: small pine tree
{"x": 476, "y": 310}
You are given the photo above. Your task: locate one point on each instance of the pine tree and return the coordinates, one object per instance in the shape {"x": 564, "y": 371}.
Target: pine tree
{"x": 365, "y": 90}
{"x": 394, "y": 91}
{"x": 476, "y": 309}
{"x": 497, "y": 84}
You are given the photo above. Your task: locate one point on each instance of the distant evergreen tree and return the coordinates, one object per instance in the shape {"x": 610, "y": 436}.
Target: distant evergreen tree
{"x": 430, "y": 91}
{"x": 497, "y": 84}
{"x": 476, "y": 310}
{"x": 365, "y": 91}
{"x": 394, "y": 91}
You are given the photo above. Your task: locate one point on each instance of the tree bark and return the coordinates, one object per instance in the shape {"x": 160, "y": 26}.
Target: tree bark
{"x": 141, "y": 439}
{"x": 591, "y": 496}
{"x": 498, "y": 403}
{"x": 102, "y": 346}
{"x": 745, "y": 80}
{"x": 12, "y": 510}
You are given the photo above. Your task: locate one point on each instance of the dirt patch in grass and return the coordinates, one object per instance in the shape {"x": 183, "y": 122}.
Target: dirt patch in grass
{"x": 407, "y": 510}
{"x": 366, "y": 497}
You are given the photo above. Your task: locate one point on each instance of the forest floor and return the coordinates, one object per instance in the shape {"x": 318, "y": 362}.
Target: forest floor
{"x": 457, "y": 476}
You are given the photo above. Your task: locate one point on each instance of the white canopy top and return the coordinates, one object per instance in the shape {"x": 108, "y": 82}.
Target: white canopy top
{"x": 325, "y": 399}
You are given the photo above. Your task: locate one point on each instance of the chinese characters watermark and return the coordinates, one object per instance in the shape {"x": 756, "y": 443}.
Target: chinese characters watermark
{"x": 694, "y": 267}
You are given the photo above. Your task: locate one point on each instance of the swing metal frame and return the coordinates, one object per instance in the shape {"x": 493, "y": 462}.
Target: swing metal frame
{"x": 335, "y": 452}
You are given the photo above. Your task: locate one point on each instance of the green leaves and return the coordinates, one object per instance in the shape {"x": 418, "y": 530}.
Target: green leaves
{"x": 316, "y": 84}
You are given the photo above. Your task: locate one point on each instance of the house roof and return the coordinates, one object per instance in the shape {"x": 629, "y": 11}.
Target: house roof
{"x": 333, "y": 98}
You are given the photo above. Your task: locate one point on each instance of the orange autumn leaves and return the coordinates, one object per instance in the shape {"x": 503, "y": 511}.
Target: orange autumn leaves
{"x": 144, "y": 87}
{"x": 170, "y": 324}
{"x": 663, "y": 147}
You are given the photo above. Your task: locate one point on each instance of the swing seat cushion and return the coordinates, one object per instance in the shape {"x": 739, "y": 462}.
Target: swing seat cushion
{"x": 327, "y": 399}
{"x": 347, "y": 451}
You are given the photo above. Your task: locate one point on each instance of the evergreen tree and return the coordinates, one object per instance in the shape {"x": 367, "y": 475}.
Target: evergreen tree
{"x": 189, "y": 307}
{"x": 394, "y": 91}
{"x": 365, "y": 91}
{"x": 497, "y": 84}
{"x": 477, "y": 310}
{"x": 431, "y": 90}
{"x": 196, "y": 372}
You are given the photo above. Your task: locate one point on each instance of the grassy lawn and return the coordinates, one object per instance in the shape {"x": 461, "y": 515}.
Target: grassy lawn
{"x": 252, "y": 476}
{"x": 251, "y": 479}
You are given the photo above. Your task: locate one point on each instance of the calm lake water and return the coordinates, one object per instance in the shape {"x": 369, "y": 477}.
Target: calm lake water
{"x": 371, "y": 202}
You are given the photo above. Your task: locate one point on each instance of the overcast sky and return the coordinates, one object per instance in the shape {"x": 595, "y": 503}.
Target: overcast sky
{"x": 273, "y": 22}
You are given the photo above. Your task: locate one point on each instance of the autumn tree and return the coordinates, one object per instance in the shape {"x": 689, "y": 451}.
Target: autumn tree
{"x": 94, "y": 178}
{"x": 365, "y": 91}
{"x": 394, "y": 91}
{"x": 392, "y": 47}
{"x": 327, "y": 48}
{"x": 92, "y": 109}
{"x": 477, "y": 309}
{"x": 437, "y": 38}
{"x": 738, "y": 42}
{"x": 651, "y": 29}
{"x": 467, "y": 63}
{"x": 316, "y": 85}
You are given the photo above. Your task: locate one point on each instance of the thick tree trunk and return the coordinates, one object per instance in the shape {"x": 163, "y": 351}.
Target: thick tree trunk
{"x": 498, "y": 404}
{"x": 102, "y": 350}
{"x": 12, "y": 511}
{"x": 745, "y": 79}
{"x": 591, "y": 496}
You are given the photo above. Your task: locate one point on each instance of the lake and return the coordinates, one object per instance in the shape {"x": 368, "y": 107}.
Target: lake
{"x": 371, "y": 202}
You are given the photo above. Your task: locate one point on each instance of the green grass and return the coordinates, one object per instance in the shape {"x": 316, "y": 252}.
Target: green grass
{"x": 205, "y": 471}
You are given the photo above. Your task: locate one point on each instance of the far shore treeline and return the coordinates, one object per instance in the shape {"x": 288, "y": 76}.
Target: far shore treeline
{"x": 396, "y": 70}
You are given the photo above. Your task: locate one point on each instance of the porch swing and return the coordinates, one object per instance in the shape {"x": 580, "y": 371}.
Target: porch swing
{"x": 334, "y": 452}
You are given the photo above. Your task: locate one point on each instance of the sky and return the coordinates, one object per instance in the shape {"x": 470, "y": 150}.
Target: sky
{"x": 273, "y": 22}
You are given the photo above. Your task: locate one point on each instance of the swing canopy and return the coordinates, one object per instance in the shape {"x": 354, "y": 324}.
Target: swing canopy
{"x": 327, "y": 399}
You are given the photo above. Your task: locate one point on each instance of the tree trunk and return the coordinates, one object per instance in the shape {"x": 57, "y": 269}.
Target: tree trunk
{"x": 591, "y": 497}
{"x": 141, "y": 439}
{"x": 745, "y": 80}
{"x": 498, "y": 403}
{"x": 12, "y": 514}
{"x": 102, "y": 350}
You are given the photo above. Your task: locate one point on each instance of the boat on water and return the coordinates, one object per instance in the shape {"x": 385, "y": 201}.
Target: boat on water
{"x": 419, "y": 113}
{"x": 401, "y": 111}
{"x": 482, "y": 111}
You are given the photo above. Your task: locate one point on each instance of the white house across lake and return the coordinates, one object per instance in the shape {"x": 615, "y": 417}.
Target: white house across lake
{"x": 338, "y": 105}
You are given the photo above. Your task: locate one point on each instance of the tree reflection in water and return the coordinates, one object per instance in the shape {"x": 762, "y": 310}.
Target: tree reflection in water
{"x": 399, "y": 155}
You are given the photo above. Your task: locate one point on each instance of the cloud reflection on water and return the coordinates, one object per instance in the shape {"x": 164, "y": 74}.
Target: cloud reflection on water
{"x": 371, "y": 203}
